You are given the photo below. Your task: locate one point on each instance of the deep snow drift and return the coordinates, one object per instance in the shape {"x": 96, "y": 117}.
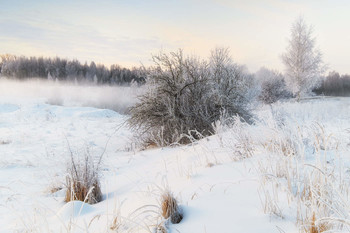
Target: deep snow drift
{"x": 244, "y": 179}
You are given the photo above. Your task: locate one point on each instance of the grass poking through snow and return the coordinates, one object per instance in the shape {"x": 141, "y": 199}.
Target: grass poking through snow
{"x": 170, "y": 209}
{"x": 82, "y": 181}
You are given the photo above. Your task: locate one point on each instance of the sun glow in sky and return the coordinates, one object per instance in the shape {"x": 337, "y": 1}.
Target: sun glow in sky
{"x": 127, "y": 32}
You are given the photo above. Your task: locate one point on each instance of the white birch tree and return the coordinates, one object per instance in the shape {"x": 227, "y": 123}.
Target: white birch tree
{"x": 302, "y": 60}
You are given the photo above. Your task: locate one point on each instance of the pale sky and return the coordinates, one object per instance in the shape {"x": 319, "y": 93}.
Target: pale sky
{"x": 128, "y": 32}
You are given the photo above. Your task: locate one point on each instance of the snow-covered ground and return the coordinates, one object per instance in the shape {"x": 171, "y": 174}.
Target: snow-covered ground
{"x": 259, "y": 178}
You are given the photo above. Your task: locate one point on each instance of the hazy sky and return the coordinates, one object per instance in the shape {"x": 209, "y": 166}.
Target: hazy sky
{"x": 128, "y": 32}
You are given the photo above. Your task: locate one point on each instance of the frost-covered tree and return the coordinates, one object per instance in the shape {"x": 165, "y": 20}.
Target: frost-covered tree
{"x": 302, "y": 60}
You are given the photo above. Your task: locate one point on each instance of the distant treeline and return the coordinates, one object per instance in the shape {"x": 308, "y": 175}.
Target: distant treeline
{"x": 68, "y": 70}
{"x": 334, "y": 85}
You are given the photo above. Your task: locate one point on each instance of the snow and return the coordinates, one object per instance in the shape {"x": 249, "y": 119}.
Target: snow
{"x": 74, "y": 209}
{"x": 216, "y": 191}
{"x": 5, "y": 108}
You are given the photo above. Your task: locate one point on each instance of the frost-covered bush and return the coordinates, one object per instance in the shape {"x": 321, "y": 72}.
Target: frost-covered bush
{"x": 187, "y": 94}
{"x": 273, "y": 86}
{"x": 232, "y": 87}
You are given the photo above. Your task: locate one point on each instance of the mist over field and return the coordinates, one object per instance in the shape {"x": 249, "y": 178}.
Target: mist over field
{"x": 117, "y": 98}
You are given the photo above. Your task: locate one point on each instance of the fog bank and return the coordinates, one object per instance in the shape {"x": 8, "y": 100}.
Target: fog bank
{"x": 117, "y": 98}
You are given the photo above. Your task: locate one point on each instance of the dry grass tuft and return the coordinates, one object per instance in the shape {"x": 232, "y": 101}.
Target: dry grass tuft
{"x": 83, "y": 180}
{"x": 313, "y": 228}
{"x": 317, "y": 228}
{"x": 170, "y": 208}
{"x": 210, "y": 165}
{"x": 54, "y": 189}
{"x": 5, "y": 142}
{"x": 77, "y": 190}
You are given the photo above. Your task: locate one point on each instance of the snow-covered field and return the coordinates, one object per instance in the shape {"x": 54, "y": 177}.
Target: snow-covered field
{"x": 274, "y": 176}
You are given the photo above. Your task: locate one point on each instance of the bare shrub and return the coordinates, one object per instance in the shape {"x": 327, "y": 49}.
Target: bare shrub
{"x": 186, "y": 95}
{"x": 83, "y": 180}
